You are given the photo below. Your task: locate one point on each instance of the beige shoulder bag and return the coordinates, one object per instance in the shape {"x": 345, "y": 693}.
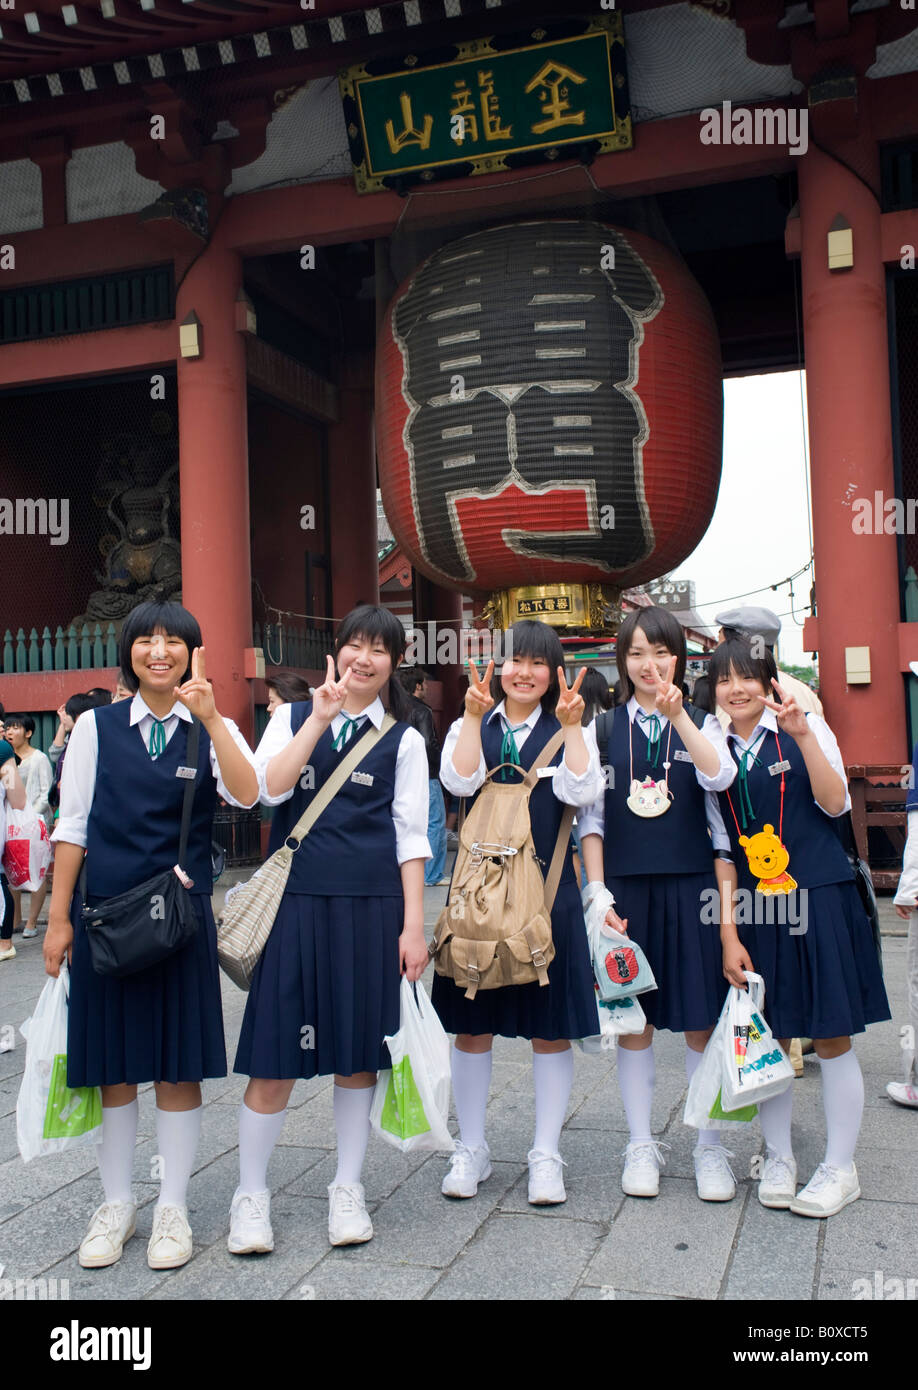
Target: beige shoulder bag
{"x": 248, "y": 916}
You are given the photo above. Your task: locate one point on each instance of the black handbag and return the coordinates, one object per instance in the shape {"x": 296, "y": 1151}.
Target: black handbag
{"x": 151, "y": 922}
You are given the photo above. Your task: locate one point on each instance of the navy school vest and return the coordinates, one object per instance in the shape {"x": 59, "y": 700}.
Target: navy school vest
{"x": 809, "y": 835}
{"x": 351, "y": 849}
{"x": 677, "y": 842}
{"x": 545, "y": 810}
{"x": 135, "y": 818}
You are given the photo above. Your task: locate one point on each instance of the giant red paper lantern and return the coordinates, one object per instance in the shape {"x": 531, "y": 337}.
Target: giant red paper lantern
{"x": 549, "y": 409}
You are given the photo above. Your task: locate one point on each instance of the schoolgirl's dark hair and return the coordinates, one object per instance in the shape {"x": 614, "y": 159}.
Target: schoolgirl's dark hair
{"x": 703, "y": 694}
{"x": 737, "y": 652}
{"x": 87, "y": 699}
{"x": 370, "y": 620}
{"x": 143, "y": 621}
{"x": 660, "y": 628}
{"x": 529, "y": 637}
{"x": 289, "y": 686}
{"x": 596, "y": 694}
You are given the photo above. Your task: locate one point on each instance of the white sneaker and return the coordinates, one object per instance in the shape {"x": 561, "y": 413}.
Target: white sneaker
{"x": 828, "y": 1190}
{"x": 348, "y": 1222}
{"x": 713, "y": 1174}
{"x": 641, "y": 1174}
{"x": 250, "y": 1224}
{"x": 112, "y": 1224}
{"x": 9, "y": 953}
{"x": 28, "y": 932}
{"x": 546, "y": 1185}
{"x": 467, "y": 1168}
{"x": 778, "y": 1183}
{"x": 903, "y": 1093}
{"x": 170, "y": 1243}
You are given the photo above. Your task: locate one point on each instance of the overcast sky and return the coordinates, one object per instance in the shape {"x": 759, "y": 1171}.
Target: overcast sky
{"x": 758, "y": 534}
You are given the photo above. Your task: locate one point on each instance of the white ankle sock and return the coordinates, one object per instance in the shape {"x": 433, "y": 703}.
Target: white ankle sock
{"x": 636, "y": 1072}
{"x": 775, "y": 1115}
{"x": 115, "y": 1152}
{"x": 257, "y": 1136}
{"x": 352, "y": 1127}
{"x": 177, "y": 1135}
{"x": 471, "y": 1081}
{"x": 843, "y": 1103}
{"x": 692, "y": 1063}
{"x": 552, "y": 1076}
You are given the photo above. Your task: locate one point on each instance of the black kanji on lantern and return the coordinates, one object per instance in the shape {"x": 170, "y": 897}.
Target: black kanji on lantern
{"x": 521, "y": 348}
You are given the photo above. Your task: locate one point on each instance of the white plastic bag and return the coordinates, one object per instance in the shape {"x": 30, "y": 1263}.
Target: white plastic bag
{"x": 756, "y": 1067}
{"x": 51, "y": 1116}
{"x": 616, "y": 1017}
{"x": 27, "y": 853}
{"x": 703, "y": 1109}
{"x": 411, "y": 1102}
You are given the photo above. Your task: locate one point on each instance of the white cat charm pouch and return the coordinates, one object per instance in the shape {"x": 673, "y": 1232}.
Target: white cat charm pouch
{"x": 649, "y": 798}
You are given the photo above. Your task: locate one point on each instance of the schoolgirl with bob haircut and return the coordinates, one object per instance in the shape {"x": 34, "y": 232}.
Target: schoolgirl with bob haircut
{"x": 351, "y": 921}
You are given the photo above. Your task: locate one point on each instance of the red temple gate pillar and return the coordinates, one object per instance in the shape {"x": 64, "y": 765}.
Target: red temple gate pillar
{"x": 352, "y": 491}
{"x": 214, "y": 479}
{"x": 847, "y": 375}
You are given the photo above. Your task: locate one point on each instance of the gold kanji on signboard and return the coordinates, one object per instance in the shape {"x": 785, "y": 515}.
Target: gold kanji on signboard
{"x": 554, "y": 97}
{"x": 410, "y": 135}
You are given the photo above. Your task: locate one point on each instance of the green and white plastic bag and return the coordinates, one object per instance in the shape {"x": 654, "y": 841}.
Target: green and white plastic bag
{"x": 703, "y": 1109}
{"x": 50, "y": 1115}
{"x": 411, "y": 1102}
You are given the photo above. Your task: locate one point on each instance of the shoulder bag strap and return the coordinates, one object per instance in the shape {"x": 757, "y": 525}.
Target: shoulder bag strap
{"x": 344, "y": 769}
{"x": 553, "y": 877}
{"x": 548, "y": 752}
{"x": 603, "y": 731}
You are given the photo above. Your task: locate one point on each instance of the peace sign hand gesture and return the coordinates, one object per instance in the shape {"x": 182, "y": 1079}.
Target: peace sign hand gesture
{"x": 669, "y": 696}
{"x": 478, "y": 698}
{"x": 197, "y": 695}
{"x": 329, "y": 698}
{"x": 789, "y": 715}
{"x": 569, "y": 709}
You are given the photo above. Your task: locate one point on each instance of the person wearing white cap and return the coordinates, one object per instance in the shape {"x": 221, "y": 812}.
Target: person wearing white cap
{"x": 753, "y": 622}
{"x": 905, "y": 1092}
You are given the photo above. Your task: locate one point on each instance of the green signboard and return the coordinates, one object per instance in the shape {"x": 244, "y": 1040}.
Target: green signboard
{"x": 496, "y": 103}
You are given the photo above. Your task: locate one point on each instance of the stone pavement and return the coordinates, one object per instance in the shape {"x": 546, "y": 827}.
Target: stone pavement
{"x": 599, "y": 1245}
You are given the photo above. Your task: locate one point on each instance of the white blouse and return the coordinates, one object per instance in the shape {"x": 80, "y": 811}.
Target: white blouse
{"x": 78, "y": 780}
{"x": 573, "y": 789}
{"x": 410, "y": 801}
{"x": 593, "y": 820}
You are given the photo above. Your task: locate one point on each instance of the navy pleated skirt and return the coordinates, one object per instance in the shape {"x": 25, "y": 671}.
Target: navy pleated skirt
{"x": 667, "y": 918}
{"x": 326, "y": 989}
{"x": 162, "y": 1024}
{"x": 826, "y": 981}
{"x": 564, "y": 1008}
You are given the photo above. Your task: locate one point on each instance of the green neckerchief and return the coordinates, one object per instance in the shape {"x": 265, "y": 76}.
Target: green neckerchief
{"x": 509, "y": 753}
{"x": 157, "y": 743}
{"x": 654, "y": 732}
{"x": 744, "y": 758}
{"x": 347, "y": 728}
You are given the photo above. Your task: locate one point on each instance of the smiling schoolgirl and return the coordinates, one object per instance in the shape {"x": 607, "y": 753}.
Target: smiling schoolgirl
{"x": 647, "y": 841}
{"x": 326, "y": 989}
{"x": 511, "y": 719}
{"x": 818, "y": 958}
{"x": 121, "y": 799}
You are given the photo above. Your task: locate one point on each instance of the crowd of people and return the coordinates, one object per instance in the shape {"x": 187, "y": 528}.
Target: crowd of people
{"x": 668, "y": 796}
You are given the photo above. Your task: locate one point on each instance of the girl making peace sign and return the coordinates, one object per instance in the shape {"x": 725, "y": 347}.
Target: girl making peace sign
{"x": 536, "y": 703}
{"x": 121, "y": 800}
{"x": 775, "y": 839}
{"x": 326, "y": 989}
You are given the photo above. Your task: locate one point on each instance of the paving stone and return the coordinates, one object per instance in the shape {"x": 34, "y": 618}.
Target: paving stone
{"x": 671, "y": 1244}
{"x": 878, "y": 1234}
{"x": 775, "y": 1255}
{"x": 863, "y": 1285}
{"x": 384, "y": 1170}
{"x": 608, "y": 1293}
{"x": 521, "y": 1257}
{"x": 338, "y": 1279}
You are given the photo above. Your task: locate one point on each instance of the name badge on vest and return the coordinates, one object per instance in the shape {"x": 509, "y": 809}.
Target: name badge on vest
{"x": 777, "y": 768}
{"x": 365, "y": 779}
{"x": 547, "y": 771}
{"x": 682, "y": 755}
{"x": 189, "y": 773}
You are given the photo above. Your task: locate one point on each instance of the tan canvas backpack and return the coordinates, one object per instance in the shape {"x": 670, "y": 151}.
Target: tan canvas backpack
{"x": 496, "y": 926}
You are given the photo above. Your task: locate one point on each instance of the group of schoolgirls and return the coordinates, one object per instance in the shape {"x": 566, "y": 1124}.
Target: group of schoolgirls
{"x": 350, "y": 922}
